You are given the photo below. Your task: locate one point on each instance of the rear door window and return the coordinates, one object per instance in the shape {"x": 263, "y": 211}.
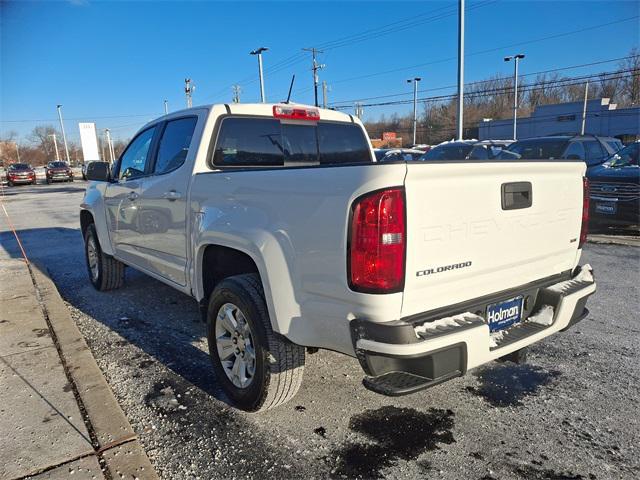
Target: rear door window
{"x": 174, "y": 144}
{"x": 575, "y": 151}
{"x": 265, "y": 142}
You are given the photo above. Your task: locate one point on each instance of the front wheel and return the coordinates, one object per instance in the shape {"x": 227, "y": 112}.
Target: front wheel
{"x": 105, "y": 272}
{"x": 256, "y": 368}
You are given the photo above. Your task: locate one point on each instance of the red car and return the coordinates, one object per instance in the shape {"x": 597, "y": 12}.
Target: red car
{"x": 58, "y": 171}
{"x": 20, "y": 173}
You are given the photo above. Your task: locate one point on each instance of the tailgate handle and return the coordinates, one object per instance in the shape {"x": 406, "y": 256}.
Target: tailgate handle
{"x": 516, "y": 195}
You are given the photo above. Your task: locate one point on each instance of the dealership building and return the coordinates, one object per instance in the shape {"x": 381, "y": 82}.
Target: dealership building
{"x": 602, "y": 118}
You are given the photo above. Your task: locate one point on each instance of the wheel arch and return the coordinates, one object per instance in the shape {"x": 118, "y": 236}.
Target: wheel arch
{"x": 216, "y": 260}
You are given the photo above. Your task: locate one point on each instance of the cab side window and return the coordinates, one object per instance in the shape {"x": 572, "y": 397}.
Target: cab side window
{"x": 594, "y": 152}
{"x": 174, "y": 144}
{"x": 134, "y": 159}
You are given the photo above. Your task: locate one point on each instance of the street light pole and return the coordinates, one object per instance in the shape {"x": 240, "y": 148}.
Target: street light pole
{"x": 584, "y": 107}
{"x": 415, "y": 81}
{"x": 516, "y": 59}
{"x": 55, "y": 144}
{"x": 258, "y": 52}
{"x": 460, "y": 68}
{"x": 64, "y": 136}
{"x": 109, "y": 144}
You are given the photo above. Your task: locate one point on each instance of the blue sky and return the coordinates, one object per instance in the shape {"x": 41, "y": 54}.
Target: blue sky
{"x": 115, "y": 62}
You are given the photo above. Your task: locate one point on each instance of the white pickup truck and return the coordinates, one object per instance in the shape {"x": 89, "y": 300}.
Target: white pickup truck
{"x": 280, "y": 223}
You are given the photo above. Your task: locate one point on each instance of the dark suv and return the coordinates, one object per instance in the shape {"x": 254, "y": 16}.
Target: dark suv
{"x": 593, "y": 150}
{"x": 615, "y": 189}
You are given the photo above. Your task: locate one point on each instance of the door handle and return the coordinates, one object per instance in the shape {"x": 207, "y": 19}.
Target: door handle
{"x": 172, "y": 195}
{"x": 132, "y": 196}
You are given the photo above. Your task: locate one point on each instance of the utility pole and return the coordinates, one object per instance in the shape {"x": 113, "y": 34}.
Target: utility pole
{"x": 17, "y": 151}
{"x": 64, "y": 136}
{"x": 189, "y": 88}
{"x": 166, "y": 107}
{"x": 55, "y": 144}
{"x": 584, "y": 107}
{"x": 359, "y": 110}
{"x": 415, "y": 81}
{"x": 109, "y": 144}
{"x": 236, "y": 93}
{"x": 324, "y": 94}
{"x": 460, "y": 68}
{"x": 516, "y": 59}
{"x": 315, "y": 67}
{"x": 258, "y": 52}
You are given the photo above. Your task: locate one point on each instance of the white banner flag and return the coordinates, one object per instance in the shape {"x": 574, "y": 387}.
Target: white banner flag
{"x": 89, "y": 141}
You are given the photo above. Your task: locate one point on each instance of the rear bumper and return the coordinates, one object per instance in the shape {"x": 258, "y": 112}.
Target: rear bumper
{"x": 451, "y": 350}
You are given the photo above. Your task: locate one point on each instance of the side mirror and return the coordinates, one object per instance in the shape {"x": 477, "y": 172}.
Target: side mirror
{"x": 99, "y": 171}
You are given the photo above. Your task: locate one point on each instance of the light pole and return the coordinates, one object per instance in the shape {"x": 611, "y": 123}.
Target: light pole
{"x": 516, "y": 59}
{"x": 109, "y": 144}
{"x": 258, "y": 52}
{"x": 460, "y": 68}
{"x": 55, "y": 144}
{"x": 64, "y": 136}
{"x": 415, "y": 81}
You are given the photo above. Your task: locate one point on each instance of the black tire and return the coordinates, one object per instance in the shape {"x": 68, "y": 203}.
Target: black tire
{"x": 109, "y": 273}
{"x": 279, "y": 364}
{"x": 48, "y": 182}
{"x": 10, "y": 183}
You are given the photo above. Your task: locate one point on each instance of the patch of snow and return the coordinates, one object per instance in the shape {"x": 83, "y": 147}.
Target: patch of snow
{"x": 544, "y": 316}
{"x": 585, "y": 275}
{"x": 454, "y": 321}
{"x": 495, "y": 337}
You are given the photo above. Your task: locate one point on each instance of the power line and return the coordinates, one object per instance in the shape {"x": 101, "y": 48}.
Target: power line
{"x": 382, "y": 30}
{"x": 481, "y": 52}
{"x": 351, "y": 101}
{"x": 480, "y": 93}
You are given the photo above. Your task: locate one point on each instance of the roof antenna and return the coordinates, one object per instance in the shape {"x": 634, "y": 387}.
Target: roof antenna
{"x": 293, "y": 79}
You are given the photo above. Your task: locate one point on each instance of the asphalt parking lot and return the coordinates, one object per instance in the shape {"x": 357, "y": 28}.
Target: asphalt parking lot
{"x": 572, "y": 412}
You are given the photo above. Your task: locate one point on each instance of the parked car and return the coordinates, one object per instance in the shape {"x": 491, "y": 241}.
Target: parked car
{"x": 397, "y": 154}
{"x": 615, "y": 189}
{"x": 593, "y": 150}
{"x": 58, "y": 172}
{"x": 20, "y": 173}
{"x": 279, "y": 222}
{"x": 467, "y": 150}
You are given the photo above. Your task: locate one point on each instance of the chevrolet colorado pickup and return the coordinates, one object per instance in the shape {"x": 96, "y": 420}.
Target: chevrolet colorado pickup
{"x": 278, "y": 220}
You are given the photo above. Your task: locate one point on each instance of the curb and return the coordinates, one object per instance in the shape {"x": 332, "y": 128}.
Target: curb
{"x": 115, "y": 442}
{"x": 601, "y": 239}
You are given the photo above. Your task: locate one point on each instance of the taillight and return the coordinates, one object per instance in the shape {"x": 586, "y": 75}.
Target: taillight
{"x": 584, "y": 230}
{"x": 377, "y": 242}
{"x": 296, "y": 112}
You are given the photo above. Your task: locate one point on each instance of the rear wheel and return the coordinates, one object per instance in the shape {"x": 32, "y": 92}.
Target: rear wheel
{"x": 105, "y": 272}
{"x": 256, "y": 368}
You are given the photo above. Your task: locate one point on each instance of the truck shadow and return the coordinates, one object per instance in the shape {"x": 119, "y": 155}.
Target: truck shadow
{"x": 162, "y": 322}
{"x": 507, "y": 384}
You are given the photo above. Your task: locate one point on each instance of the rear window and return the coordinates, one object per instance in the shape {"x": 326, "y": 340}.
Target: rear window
{"x": 448, "y": 152}
{"x": 265, "y": 142}
{"x": 545, "y": 149}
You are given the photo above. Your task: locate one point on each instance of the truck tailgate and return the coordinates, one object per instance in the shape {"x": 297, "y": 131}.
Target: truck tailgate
{"x": 464, "y": 241}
